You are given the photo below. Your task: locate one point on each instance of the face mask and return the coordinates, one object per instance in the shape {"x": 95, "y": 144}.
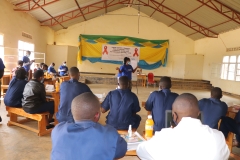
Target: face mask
{"x": 27, "y": 55}
{"x": 129, "y": 63}
{"x": 64, "y": 64}
{"x": 44, "y": 71}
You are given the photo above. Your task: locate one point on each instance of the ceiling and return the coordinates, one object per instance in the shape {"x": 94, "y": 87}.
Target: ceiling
{"x": 194, "y": 18}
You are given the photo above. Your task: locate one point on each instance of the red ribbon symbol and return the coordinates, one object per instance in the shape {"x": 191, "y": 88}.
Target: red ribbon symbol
{"x": 105, "y": 50}
{"x": 136, "y": 52}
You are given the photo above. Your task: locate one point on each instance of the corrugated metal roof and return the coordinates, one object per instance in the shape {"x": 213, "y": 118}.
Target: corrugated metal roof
{"x": 192, "y": 9}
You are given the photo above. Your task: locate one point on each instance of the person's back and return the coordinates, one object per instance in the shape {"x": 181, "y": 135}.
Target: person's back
{"x": 213, "y": 109}
{"x": 86, "y": 138}
{"x": 14, "y": 94}
{"x": 123, "y": 105}
{"x": 68, "y": 91}
{"x": 160, "y": 101}
{"x": 34, "y": 95}
{"x": 189, "y": 140}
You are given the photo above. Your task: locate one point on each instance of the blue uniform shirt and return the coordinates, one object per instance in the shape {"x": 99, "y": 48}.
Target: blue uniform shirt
{"x": 2, "y": 66}
{"x": 158, "y": 102}
{"x": 212, "y": 110}
{"x": 62, "y": 73}
{"x": 127, "y": 70}
{"x": 51, "y": 69}
{"x": 123, "y": 104}
{"x": 86, "y": 140}
{"x": 14, "y": 95}
{"x": 68, "y": 91}
{"x": 26, "y": 60}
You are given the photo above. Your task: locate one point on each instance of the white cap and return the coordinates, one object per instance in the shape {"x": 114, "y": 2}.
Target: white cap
{"x": 149, "y": 116}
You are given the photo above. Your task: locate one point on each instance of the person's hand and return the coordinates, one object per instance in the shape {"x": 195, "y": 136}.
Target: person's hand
{"x": 117, "y": 68}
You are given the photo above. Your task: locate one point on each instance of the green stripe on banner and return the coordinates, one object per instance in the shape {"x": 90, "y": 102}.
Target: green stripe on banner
{"x": 119, "y": 38}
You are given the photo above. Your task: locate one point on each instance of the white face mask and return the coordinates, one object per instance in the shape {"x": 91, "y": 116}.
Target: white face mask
{"x": 28, "y": 55}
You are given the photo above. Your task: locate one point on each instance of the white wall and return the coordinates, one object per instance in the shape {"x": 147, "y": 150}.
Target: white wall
{"x": 126, "y": 26}
{"x": 13, "y": 23}
{"x": 213, "y": 50}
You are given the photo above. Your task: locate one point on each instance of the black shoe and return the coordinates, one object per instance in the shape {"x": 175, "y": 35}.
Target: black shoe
{"x": 49, "y": 126}
{"x": 0, "y": 119}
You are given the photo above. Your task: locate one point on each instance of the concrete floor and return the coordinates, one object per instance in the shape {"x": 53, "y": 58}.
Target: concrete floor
{"x": 20, "y": 144}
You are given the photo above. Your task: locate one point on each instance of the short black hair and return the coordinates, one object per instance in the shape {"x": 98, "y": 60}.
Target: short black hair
{"x": 41, "y": 64}
{"x": 167, "y": 83}
{"x": 20, "y": 73}
{"x": 216, "y": 92}
{"x": 123, "y": 80}
{"x": 125, "y": 60}
{"x": 53, "y": 64}
{"x": 45, "y": 66}
{"x": 20, "y": 62}
{"x": 38, "y": 73}
{"x": 74, "y": 70}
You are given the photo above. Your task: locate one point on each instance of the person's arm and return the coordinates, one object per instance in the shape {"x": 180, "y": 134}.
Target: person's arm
{"x": 105, "y": 106}
{"x": 134, "y": 70}
{"x": 149, "y": 102}
{"x": 136, "y": 106}
{"x": 119, "y": 69}
{"x": 1, "y": 73}
{"x": 121, "y": 148}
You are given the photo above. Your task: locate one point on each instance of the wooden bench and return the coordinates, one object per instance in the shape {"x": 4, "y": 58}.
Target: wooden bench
{"x": 41, "y": 118}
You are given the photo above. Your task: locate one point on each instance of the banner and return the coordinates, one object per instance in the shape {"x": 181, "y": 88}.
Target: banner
{"x": 152, "y": 54}
{"x": 117, "y": 53}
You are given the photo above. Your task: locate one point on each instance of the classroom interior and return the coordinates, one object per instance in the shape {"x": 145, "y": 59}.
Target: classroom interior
{"x": 204, "y": 50}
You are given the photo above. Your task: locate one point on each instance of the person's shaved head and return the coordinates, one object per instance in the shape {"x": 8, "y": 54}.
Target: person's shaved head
{"x": 86, "y": 106}
{"x": 165, "y": 83}
{"x": 185, "y": 105}
{"x": 216, "y": 92}
{"x": 74, "y": 73}
{"x": 123, "y": 82}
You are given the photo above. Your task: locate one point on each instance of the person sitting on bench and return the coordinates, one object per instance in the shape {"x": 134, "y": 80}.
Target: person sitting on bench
{"x": 123, "y": 105}
{"x": 86, "y": 139}
{"x": 34, "y": 97}
{"x": 14, "y": 95}
{"x": 20, "y": 65}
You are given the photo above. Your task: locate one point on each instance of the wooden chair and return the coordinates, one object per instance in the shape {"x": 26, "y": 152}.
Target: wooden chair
{"x": 229, "y": 139}
{"x": 41, "y": 118}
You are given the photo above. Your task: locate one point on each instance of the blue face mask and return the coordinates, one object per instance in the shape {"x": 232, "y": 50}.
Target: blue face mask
{"x": 129, "y": 63}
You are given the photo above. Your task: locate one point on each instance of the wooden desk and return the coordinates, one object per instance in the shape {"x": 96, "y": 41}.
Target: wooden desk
{"x": 143, "y": 77}
{"x": 128, "y": 153}
{"x": 56, "y": 97}
{"x": 64, "y": 78}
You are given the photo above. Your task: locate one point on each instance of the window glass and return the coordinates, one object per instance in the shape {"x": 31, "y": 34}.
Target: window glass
{"x": 233, "y": 59}
{"x": 225, "y": 59}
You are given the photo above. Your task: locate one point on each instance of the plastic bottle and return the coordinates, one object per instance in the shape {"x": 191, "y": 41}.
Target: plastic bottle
{"x": 130, "y": 131}
{"x": 57, "y": 86}
{"x": 149, "y": 127}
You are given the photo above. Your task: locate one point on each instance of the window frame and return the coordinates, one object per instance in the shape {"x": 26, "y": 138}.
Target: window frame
{"x": 236, "y": 64}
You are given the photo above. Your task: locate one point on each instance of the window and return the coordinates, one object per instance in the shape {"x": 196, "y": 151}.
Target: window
{"x": 231, "y": 68}
{"x": 22, "y": 48}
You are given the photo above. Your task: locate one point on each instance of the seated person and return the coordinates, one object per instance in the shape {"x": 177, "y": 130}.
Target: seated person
{"x": 14, "y": 94}
{"x": 63, "y": 69}
{"x": 37, "y": 67}
{"x": 68, "y": 91}
{"x": 20, "y": 65}
{"x": 231, "y": 125}
{"x": 45, "y": 68}
{"x": 213, "y": 109}
{"x": 188, "y": 140}
{"x": 86, "y": 139}
{"x": 51, "y": 69}
{"x": 123, "y": 105}
{"x": 158, "y": 104}
{"x": 34, "y": 97}
{"x": 41, "y": 65}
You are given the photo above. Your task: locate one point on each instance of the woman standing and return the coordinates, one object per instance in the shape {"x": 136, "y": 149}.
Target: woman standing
{"x": 126, "y": 70}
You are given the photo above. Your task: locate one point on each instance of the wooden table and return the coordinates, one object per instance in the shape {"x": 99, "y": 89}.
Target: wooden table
{"x": 56, "y": 99}
{"x": 143, "y": 77}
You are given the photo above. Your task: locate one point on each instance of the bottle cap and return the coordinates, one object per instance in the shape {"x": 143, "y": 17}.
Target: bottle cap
{"x": 130, "y": 127}
{"x": 149, "y": 116}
